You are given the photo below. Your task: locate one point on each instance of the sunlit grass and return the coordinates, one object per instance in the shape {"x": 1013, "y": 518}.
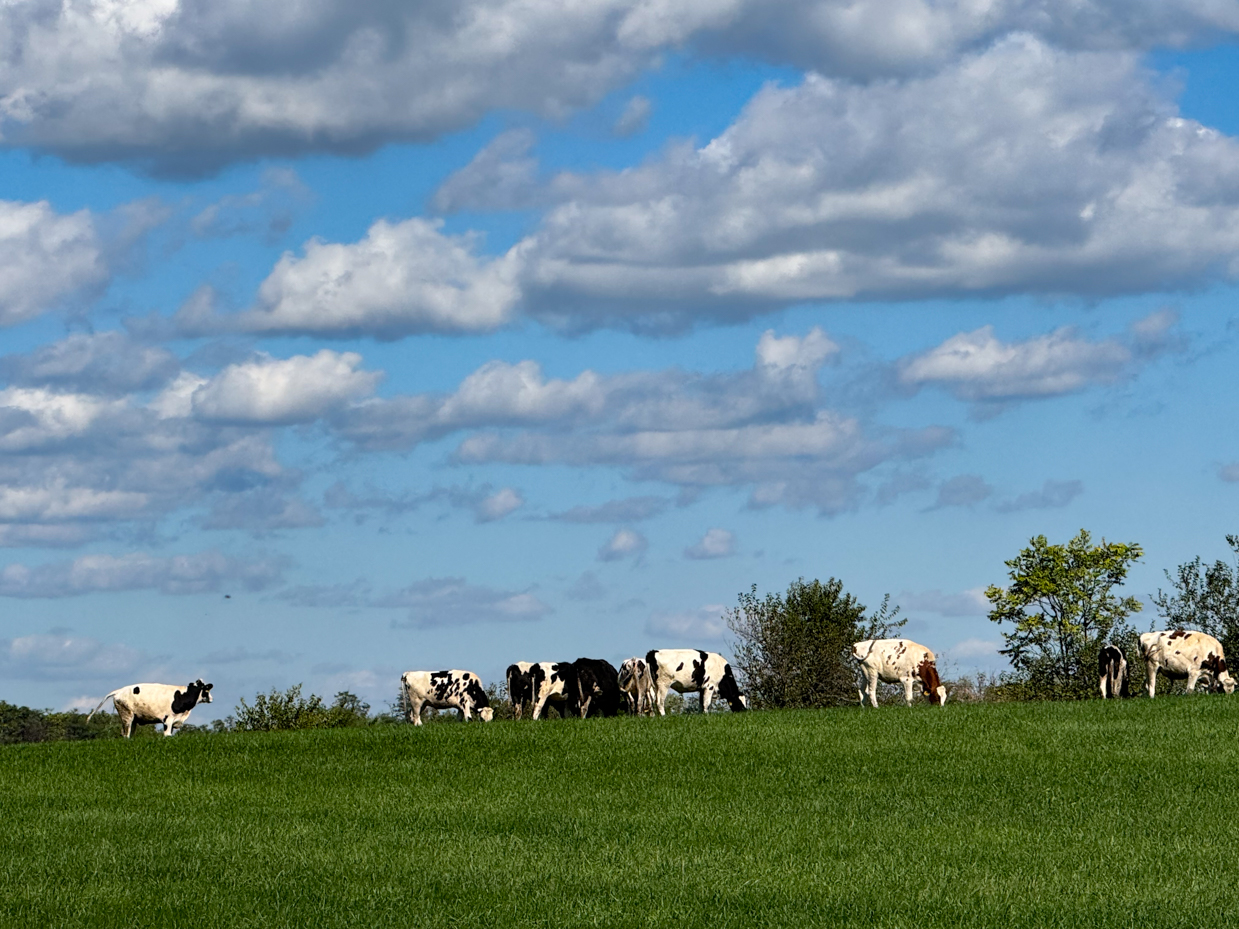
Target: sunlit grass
{"x": 1087, "y": 814}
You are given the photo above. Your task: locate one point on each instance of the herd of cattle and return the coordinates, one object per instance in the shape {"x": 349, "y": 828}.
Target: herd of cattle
{"x": 593, "y": 686}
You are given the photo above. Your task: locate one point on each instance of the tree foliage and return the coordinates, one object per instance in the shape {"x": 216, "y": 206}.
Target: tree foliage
{"x": 24, "y": 724}
{"x": 289, "y": 710}
{"x": 794, "y": 650}
{"x": 1205, "y": 597}
{"x": 1062, "y": 607}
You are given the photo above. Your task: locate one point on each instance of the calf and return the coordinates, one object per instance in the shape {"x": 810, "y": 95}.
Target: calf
{"x": 898, "y": 661}
{"x": 148, "y": 704}
{"x": 637, "y": 686}
{"x": 689, "y": 670}
{"x": 1185, "y": 655}
{"x": 444, "y": 690}
{"x": 520, "y": 687}
{"x": 1112, "y": 670}
{"x": 597, "y": 685}
{"x": 554, "y": 683}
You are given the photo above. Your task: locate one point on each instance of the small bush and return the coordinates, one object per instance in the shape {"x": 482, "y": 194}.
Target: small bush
{"x": 278, "y": 711}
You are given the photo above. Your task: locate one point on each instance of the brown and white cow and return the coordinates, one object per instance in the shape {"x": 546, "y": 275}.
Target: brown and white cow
{"x": 1180, "y": 654}
{"x": 638, "y": 686}
{"x": 148, "y": 704}
{"x": 690, "y": 670}
{"x": 898, "y": 661}
{"x": 444, "y": 690}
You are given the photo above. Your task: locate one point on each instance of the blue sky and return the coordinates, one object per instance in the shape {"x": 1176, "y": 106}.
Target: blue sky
{"x": 377, "y": 337}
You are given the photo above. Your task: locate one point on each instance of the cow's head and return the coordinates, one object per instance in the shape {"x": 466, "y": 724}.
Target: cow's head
{"x": 205, "y": 695}
{"x": 935, "y": 692}
{"x": 1219, "y": 677}
{"x": 486, "y": 713}
{"x": 729, "y": 690}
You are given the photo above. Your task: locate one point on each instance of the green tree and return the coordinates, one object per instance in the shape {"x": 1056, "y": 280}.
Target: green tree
{"x": 794, "y": 650}
{"x": 289, "y": 710}
{"x": 1062, "y": 606}
{"x": 1205, "y": 597}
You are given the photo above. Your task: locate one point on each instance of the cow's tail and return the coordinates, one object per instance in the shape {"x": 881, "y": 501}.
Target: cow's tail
{"x": 860, "y": 658}
{"x": 111, "y": 696}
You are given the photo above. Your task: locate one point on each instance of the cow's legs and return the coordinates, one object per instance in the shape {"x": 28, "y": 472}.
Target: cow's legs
{"x": 1151, "y": 683}
{"x": 1193, "y": 675}
{"x": 907, "y": 689}
{"x": 660, "y": 698}
{"x": 168, "y": 723}
{"x": 415, "y": 712}
{"x": 126, "y": 722}
{"x": 707, "y": 697}
{"x": 871, "y": 688}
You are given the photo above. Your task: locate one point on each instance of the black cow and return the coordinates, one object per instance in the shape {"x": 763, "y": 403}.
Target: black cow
{"x": 597, "y": 687}
{"x": 520, "y": 686}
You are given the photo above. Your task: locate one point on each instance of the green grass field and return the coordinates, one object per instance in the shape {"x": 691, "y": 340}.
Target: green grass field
{"x": 1092, "y": 814}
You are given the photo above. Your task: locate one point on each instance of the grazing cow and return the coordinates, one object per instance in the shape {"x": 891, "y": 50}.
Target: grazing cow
{"x": 597, "y": 685}
{"x": 520, "y": 687}
{"x": 444, "y": 690}
{"x": 1112, "y": 668}
{"x": 898, "y": 661}
{"x": 637, "y": 686}
{"x": 554, "y": 682}
{"x": 148, "y": 704}
{"x": 1181, "y": 654}
{"x": 689, "y": 670}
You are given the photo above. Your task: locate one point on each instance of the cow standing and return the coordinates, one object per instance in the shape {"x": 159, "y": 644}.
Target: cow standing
{"x": 637, "y": 686}
{"x": 554, "y": 684}
{"x": 689, "y": 670}
{"x": 597, "y": 687}
{"x": 148, "y": 704}
{"x": 520, "y": 686}
{"x": 444, "y": 690}
{"x": 1112, "y": 670}
{"x": 898, "y": 661}
{"x": 1185, "y": 655}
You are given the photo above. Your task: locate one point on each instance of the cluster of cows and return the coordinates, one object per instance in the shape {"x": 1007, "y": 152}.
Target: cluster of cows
{"x": 593, "y": 686}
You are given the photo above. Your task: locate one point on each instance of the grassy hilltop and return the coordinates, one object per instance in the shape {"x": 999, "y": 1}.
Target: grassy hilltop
{"x": 1086, "y": 814}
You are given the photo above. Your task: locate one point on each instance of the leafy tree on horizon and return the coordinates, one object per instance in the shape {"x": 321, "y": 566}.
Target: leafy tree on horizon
{"x": 1206, "y": 597}
{"x": 794, "y": 650}
{"x": 1063, "y": 608}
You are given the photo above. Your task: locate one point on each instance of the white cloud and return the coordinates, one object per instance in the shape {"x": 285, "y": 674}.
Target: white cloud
{"x": 279, "y": 392}
{"x": 498, "y": 505}
{"x": 185, "y": 85}
{"x": 716, "y": 543}
{"x": 962, "y": 490}
{"x": 203, "y": 572}
{"x": 624, "y": 543}
{"x": 706, "y": 623}
{"x": 976, "y": 650}
{"x": 451, "y": 601}
{"x": 61, "y": 655}
{"x": 635, "y": 117}
{"x": 971, "y": 602}
{"x": 45, "y": 257}
{"x": 106, "y": 362}
{"x": 502, "y": 176}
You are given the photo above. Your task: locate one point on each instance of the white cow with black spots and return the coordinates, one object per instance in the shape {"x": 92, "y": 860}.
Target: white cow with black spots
{"x": 444, "y": 690}
{"x": 898, "y": 661}
{"x": 1185, "y": 655}
{"x": 149, "y": 704}
{"x": 690, "y": 670}
{"x": 637, "y": 685}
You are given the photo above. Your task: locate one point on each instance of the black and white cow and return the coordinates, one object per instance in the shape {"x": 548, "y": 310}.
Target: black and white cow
{"x": 444, "y": 690}
{"x": 1112, "y": 671}
{"x": 520, "y": 686}
{"x": 898, "y": 661}
{"x": 554, "y": 684}
{"x": 689, "y": 670}
{"x": 148, "y": 704}
{"x": 1185, "y": 655}
{"x": 597, "y": 687}
{"x": 637, "y": 686}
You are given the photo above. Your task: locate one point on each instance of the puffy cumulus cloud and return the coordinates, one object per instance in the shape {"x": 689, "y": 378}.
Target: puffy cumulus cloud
{"x": 62, "y": 655}
{"x": 1017, "y": 169}
{"x": 451, "y": 601}
{"x": 706, "y": 623}
{"x": 624, "y": 543}
{"x": 501, "y": 503}
{"x": 402, "y": 278}
{"x": 716, "y": 543}
{"x": 203, "y": 572}
{"x": 979, "y": 367}
{"x": 189, "y": 85}
{"x": 109, "y": 363}
{"x": 764, "y": 428}
{"x": 45, "y": 258}
{"x": 272, "y": 391}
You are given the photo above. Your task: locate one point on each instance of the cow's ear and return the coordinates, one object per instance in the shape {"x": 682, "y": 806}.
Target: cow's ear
{"x": 208, "y": 686}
